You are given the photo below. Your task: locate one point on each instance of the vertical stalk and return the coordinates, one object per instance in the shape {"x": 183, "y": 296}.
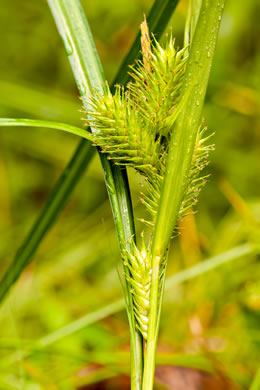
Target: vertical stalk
{"x": 191, "y": 21}
{"x": 80, "y": 48}
{"x": 179, "y": 159}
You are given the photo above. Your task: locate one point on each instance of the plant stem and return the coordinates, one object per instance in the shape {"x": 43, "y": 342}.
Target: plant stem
{"x": 119, "y": 197}
{"x": 121, "y": 183}
{"x": 87, "y": 69}
{"x": 191, "y": 21}
{"x": 179, "y": 159}
{"x": 182, "y": 143}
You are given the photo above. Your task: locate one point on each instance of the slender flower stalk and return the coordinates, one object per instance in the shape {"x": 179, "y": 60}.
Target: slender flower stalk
{"x": 179, "y": 161}
{"x": 80, "y": 47}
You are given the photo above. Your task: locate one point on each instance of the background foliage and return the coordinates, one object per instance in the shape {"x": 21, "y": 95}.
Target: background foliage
{"x": 210, "y": 321}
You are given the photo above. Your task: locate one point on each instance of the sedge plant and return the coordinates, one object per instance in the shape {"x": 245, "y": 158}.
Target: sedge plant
{"x": 87, "y": 70}
{"x": 154, "y": 126}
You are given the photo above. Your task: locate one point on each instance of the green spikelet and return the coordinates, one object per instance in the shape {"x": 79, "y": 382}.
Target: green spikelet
{"x": 121, "y": 131}
{"x": 194, "y": 183}
{"x": 156, "y": 86}
{"x": 139, "y": 264}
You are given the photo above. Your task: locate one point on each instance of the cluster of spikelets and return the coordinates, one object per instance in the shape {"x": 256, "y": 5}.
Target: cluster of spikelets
{"x": 134, "y": 127}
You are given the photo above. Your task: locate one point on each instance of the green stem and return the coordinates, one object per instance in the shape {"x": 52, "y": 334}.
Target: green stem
{"x": 179, "y": 159}
{"x": 149, "y": 362}
{"x": 87, "y": 69}
{"x": 187, "y": 125}
{"x": 191, "y": 21}
{"x": 121, "y": 183}
{"x": 119, "y": 204}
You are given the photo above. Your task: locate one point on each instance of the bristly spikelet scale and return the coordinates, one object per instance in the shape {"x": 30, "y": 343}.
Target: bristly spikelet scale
{"x": 156, "y": 92}
{"x": 195, "y": 182}
{"x": 120, "y": 130}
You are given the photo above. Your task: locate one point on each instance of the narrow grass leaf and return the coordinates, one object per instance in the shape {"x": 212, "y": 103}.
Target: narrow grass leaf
{"x": 256, "y": 382}
{"x": 47, "y": 124}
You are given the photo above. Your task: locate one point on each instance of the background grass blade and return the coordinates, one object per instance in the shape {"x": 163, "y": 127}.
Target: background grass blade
{"x": 48, "y": 124}
{"x": 256, "y": 382}
{"x": 49, "y": 103}
{"x": 209, "y": 264}
{"x": 81, "y": 323}
{"x": 54, "y": 205}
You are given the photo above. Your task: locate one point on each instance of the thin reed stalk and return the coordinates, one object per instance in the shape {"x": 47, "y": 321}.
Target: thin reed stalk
{"x": 179, "y": 159}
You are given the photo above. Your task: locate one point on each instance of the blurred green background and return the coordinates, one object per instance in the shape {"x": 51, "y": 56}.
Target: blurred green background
{"x": 210, "y": 322}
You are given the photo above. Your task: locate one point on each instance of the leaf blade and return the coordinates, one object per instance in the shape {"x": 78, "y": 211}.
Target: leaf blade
{"x": 20, "y": 122}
